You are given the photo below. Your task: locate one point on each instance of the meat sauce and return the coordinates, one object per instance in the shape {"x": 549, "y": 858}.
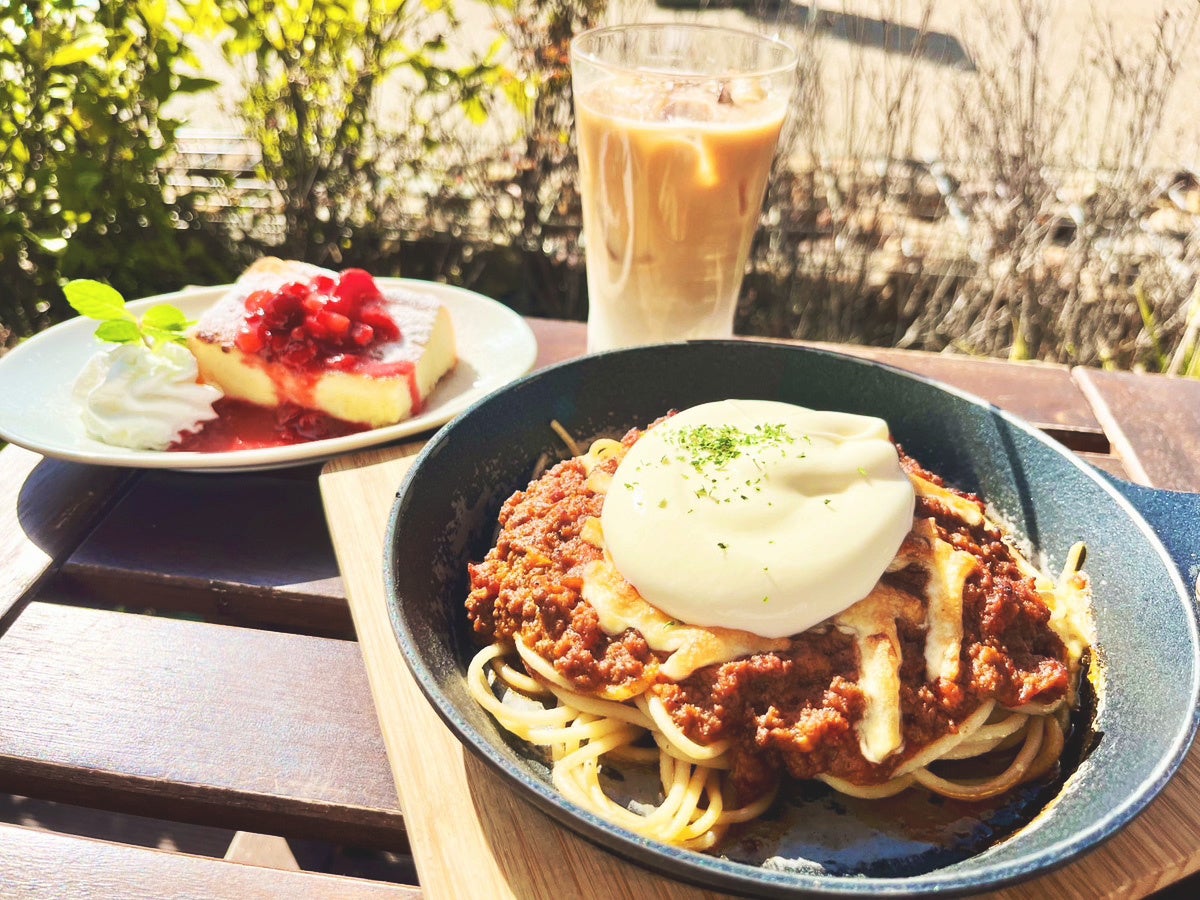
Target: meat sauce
{"x": 792, "y": 711}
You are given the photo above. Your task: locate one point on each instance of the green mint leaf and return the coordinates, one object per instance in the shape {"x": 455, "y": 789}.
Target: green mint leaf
{"x": 164, "y": 317}
{"x": 96, "y": 300}
{"x": 156, "y": 336}
{"x": 119, "y": 331}
{"x": 160, "y": 324}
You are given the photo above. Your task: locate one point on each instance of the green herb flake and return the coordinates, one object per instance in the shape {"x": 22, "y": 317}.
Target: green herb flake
{"x": 708, "y": 451}
{"x": 711, "y": 447}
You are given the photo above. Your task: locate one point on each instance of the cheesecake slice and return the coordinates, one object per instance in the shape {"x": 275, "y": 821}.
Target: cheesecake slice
{"x": 338, "y": 343}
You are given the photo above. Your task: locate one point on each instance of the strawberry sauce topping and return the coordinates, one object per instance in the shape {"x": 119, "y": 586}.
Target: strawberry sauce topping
{"x": 323, "y": 323}
{"x": 244, "y": 426}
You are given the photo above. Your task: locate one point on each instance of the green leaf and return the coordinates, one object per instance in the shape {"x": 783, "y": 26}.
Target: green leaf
{"x": 475, "y": 110}
{"x": 80, "y": 49}
{"x": 52, "y": 244}
{"x": 18, "y": 151}
{"x": 156, "y": 336}
{"x": 160, "y": 324}
{"x": 164, "y": 317}
{"x": 119, "y": 331}
{"x": 155, "y": 12}
{"x": 96, "y": 300}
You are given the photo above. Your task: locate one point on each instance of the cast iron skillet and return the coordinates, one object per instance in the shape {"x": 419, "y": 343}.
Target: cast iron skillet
{"x": 1143, "y": 554}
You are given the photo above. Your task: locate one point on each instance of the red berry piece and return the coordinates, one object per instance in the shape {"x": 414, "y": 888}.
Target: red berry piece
{"x": 324, "y": 322}
{"x": 334, "y": 323}
{"x": 361, "y": 333}
{"x": 381, "y": 322}
{"x": 354, "y": 286}
{"x": 249, "y": 339}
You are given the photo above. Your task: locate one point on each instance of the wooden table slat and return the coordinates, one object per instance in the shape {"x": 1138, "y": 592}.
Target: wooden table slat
{"x": 1042, "y": 393}
{"x": 45, "y": 508}
{"x": 1153, "y": 422}
{"x": 1106, "y": 462}
{"x": 253, "y": 730}
{"x": 38, "y": 864}
{"x": 275, "y": 568}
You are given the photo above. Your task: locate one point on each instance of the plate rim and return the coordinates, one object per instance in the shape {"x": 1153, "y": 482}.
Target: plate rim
{"x": 742, "y": 877}
{"x": 516, "y": 364}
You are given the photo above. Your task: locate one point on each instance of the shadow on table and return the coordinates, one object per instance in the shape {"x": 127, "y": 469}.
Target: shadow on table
{"x": 235, "y": 548}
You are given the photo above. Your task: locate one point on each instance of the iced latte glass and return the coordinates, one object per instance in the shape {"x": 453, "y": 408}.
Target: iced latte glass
{"x": 677, "y": 127}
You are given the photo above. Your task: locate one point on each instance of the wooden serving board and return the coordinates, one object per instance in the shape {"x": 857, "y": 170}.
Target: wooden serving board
{"x": 472, "y": 835}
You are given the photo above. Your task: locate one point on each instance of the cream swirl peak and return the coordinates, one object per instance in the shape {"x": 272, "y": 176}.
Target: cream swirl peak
{"x": 757, "y": 515}
{"x": 142, "y": 398}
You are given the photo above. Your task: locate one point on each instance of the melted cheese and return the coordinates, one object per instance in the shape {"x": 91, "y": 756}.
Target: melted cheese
{"x": 690, "y": 647}
{"x": 757, "y": 515}
{"x": 598, "y": 480}
{"x": 960, "y": 507}
{"x": 944, "y": 595}
{"x": 872, "y": 621}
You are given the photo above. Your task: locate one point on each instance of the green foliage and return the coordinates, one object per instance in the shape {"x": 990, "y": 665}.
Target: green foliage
{"x": 469, "y": 170}
{"x": 313, "y": 72}
{"x": 532, "y": 203}
{"x": 82, "y": 143}
{"x": 538, "y": 86}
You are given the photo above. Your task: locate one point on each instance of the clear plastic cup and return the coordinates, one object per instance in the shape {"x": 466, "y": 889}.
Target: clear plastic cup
{"x": 677, "y": 127}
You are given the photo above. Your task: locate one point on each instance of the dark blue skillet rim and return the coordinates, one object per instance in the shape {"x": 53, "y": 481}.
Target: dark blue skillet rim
{"x": 715, "y": 872}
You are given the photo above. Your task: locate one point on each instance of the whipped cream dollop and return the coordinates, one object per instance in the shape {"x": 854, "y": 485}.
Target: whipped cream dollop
{"x": 757, "y": 515}
{"x": 142, "y": 398}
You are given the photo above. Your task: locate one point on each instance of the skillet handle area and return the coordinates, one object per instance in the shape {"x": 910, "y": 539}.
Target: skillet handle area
{"x": 1175, "y": 518}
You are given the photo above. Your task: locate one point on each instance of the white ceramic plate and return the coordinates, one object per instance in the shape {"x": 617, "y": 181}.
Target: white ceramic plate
{"x": 37, "y": 412}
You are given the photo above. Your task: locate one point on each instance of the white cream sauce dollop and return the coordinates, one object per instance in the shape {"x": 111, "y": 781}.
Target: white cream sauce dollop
{"x": 757, "y": 515}
{"x": 142, "y": 398}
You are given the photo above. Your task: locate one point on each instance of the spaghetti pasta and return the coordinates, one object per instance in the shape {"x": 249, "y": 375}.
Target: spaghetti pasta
{"x": 962, "y": 650}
